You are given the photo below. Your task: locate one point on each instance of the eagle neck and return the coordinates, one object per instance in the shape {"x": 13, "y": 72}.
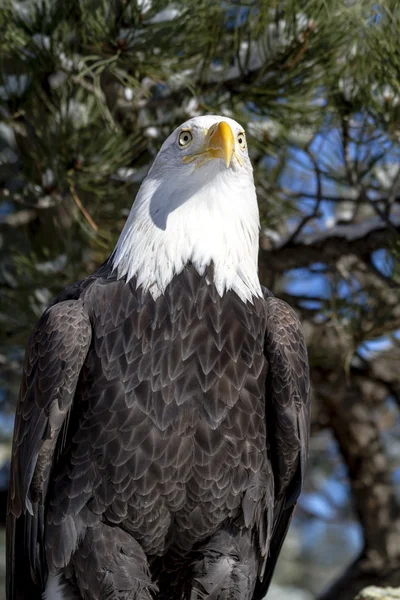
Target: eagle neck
{"x": 217, "y": 225}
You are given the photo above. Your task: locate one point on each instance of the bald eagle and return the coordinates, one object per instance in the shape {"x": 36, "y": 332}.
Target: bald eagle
{"x": 162, "y": 425}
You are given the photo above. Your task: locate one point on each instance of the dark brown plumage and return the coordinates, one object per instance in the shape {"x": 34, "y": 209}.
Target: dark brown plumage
{"x": 159, "y": 446}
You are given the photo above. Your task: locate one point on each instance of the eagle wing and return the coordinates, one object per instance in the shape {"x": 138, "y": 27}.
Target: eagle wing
{"x": 287, "y": 419}
{"x": 53, "y": 360}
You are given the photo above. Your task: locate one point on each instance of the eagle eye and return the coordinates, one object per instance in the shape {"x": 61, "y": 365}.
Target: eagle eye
{"x": 241, "y": 139}
{"x": 185, "y": 137}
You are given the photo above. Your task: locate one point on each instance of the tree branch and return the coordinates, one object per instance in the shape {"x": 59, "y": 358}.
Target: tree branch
{"x": 330, "y": 245}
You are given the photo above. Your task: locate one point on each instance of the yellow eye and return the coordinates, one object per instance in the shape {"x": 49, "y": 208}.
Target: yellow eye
{"x": 241, "y": 139}
{"x": 185, "y": 137}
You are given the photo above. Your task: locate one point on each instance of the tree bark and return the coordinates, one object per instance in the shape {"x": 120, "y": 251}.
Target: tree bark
{"x": 351, "y": 405}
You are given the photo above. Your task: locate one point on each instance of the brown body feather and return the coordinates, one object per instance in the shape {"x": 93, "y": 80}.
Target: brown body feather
{"x": 159, "y": 444}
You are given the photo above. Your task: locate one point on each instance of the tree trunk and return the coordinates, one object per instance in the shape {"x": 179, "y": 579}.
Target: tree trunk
{"x": 352, "y": 414}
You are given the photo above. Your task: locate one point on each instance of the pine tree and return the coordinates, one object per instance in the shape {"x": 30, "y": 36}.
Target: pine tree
{"x": 89, "y": 89}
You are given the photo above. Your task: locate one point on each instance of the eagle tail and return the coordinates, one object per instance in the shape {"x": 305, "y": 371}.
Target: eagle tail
{"x": 279, "y": 534}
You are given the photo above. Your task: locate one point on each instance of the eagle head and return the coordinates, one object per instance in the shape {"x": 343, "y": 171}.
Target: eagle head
{"x": 196, "y": 206}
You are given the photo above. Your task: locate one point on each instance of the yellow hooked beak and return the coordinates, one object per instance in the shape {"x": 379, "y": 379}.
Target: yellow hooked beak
{"x": 220, "y": 143}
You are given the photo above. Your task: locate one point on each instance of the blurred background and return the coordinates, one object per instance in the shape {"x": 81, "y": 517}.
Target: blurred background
{"x": 89, "y": 90}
